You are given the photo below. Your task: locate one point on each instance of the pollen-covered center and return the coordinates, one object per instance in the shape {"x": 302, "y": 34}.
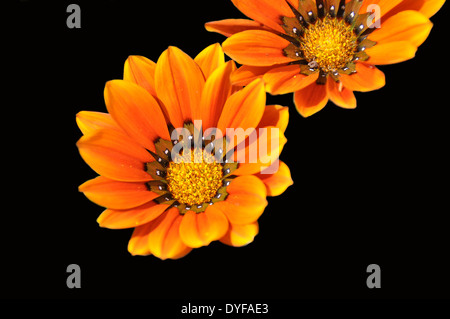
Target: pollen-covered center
{"x": 194, "y": 178}
{"x": 329, "y": 44}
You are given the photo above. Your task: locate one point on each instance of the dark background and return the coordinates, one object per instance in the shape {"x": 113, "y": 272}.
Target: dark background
{"x": 371, "y": 184}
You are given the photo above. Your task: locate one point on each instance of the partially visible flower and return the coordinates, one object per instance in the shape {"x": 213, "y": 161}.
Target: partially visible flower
{"x": 176, "y": 205}
{"x": 323, "y": 50}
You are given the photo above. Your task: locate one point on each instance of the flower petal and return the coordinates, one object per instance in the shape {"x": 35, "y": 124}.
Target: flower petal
{"x": 426, "y": 7}
{"x": 119, "y": 219}
{"x": 91, "y": 122}
{"x": 411, "y": 26}
{"x": 116, "y": 195}
{"x": 431, "y": 7}
{"x": 385, "y": 6}
{"x": 391, "y": 52}
{"x": 275, "y": 120}
{"x": 278, "y": 182}
{"x": 275, "y": 115}
{"x": 240, "y": 235}
{"x": 256, "y": 48}
{"x": 136, "y": 111}
{"x": 114, "y": 155}
{"x": 201, "y": 229}
{"x": 179, "y": 82}
{"x": 141, "y": 71}
{"x": 287, "y": 79}
{"x": 210, "y": 59}
{"x": 262, "y": 153}
{"x": 138, "y": 244}
{"x": 340, "y": 95}
{"x": 367, "y": 78}
{"x": 228, "y": 27}
{"x": 246, "y": 200}
{"x": 164, "y": 236}
{"x": 268, "y": 145}
{"x": 245, "y": 108}
{"x": 311, "y": 99}
{"x": 247, "y": 74}
{"x": 215, "y": 93}
{"x": 267, "y": 12}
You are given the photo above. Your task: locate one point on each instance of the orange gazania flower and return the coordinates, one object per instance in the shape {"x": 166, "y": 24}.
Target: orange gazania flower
{"x": 324, "y": 49}
{"x": 177, "y": 205}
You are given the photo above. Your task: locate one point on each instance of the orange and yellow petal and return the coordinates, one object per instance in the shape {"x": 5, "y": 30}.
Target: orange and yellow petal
{"x": 245, "y": 108}
{"x": 246, "y": 200}
{"x": 228, "y": 27}
{"x": 141, "y": 71}
{"x": 200, "y": 229}
{"x": 179, "y": 82}
{"x": 386, "y": 6}
{"x": 252, "y": 159}
{"x": 116, "y": 195}
{"x": 215, "y": 93}
{"x": 277, "y": 182}
{"x": 275, "y": 115}
{"x": 340, "y": 95}
{"x": 311, "y": 99}
{"x": 129, "y": 218}
{"x": 431, "y": 7}
{"x": 262, "y": 153}
{"x": 426, "y": 7}
{"x": 210, "y": 58}
{"x": 164, "y": 239}
{"x": 247, "y": 74}
{"x": 411, "y": 26}
{"x": 91, "y": 122}
{"x": 367, "y": 78}
{"x": 287, "y": 79}
{"x": 267, "y": 12}
{"x": 240, "y": 235}
{"x": 138, "y": 243}
{"x": 257, "y": 48}
{"x": 391, "y": 52}
{"x": 136, "y": 111}
{"x": 114, "y": 155}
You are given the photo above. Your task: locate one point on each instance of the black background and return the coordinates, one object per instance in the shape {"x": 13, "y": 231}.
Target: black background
{"x": 370, "y": 185}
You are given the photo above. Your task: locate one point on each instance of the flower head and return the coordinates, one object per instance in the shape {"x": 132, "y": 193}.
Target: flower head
{"x": 166, "y": 169}
{"x": 323, "y": 50}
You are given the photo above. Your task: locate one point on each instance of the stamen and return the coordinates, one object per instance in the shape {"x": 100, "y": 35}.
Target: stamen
{"x": 329, "y": 44}
{"x": 194, "y": 179}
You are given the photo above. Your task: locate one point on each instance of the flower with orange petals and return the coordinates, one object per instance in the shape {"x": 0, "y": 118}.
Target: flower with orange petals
{"x": 323, "y": 49}
{"x": 181, "y": 199}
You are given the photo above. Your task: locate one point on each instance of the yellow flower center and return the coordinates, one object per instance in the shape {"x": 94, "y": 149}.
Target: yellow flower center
{"x": 329, "y": 44}
{"x": 194, "y": 178}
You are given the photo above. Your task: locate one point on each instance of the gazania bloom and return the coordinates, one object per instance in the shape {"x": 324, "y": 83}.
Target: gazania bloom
{"x": 179, "y": 200}
{"x": 323, "y": 49}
